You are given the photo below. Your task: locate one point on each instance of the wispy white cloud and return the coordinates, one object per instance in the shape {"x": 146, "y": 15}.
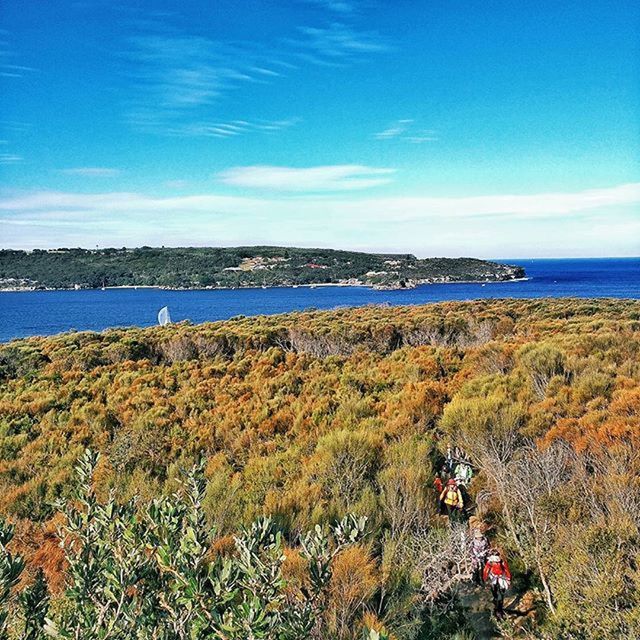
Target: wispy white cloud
{"x": 9, "y": 57}
{"x": 7, "y": 154}
{"x": 176, "y": 75}
{"x": 276, "y": 125}
{"x": 532, "y": 224}
{"x": 337, "y": 44}
{"x": 338, "y": 6}
{"x": 14, "y": 126}
{"x": 178, "y": 78}
{"x": 10, "y": 158}
{"x": 406, "y": 130}
{"x": 231, "y": 128}
{"x": 265, "y": 72}
{"x": 392, "y": 209}
{"x": 14, "y": 70}
{"x": 426, "y": 135}
{"x": 93, "y": 172}
{"x": 394, "y": 130}
{"x": 311, "y": 179}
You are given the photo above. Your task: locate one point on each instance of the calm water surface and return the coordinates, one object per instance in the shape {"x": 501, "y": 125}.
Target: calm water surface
{"x": 48, "y": 312}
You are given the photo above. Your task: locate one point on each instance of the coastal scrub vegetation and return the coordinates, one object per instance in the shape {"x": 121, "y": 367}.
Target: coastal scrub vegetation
{"x": 304, "y": 446}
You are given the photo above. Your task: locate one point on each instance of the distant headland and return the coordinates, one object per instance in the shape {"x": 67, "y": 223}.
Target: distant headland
{"x": 236, "y": 267}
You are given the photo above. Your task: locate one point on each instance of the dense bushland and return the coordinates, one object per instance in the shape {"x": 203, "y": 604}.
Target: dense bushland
{"x": 308, "y": 417}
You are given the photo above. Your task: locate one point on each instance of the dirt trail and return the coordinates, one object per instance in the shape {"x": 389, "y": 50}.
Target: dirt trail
{"x": 476, "y": 603}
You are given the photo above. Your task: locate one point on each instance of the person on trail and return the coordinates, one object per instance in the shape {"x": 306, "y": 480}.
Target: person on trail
{"x": 479, "y": 549}
{"x": 440, "y": 479}
{"x": 449, "y": 460}
{"x": 463, "y": 473}
{"x": 438, "y": 485}
{"x": 439, "y": 482}
{"x": 452, "y": 499}
{"x": 496, "y": 572}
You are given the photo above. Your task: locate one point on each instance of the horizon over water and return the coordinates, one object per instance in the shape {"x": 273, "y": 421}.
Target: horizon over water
{"x": 28, "y": 313}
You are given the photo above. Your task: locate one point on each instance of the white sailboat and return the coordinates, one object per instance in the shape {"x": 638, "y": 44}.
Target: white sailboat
{"x": 163, "y": 316}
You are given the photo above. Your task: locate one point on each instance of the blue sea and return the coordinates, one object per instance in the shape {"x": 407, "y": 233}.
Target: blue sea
{"x": 48, "y": 312}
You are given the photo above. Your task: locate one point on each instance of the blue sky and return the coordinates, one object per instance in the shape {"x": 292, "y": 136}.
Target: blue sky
{"x": 441, "y": 128}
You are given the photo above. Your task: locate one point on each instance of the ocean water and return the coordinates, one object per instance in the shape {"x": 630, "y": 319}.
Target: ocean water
{"x": 48, "y": 312}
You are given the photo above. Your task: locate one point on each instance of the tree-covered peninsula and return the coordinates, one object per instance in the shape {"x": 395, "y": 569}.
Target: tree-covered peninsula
{"x": 211, "y": 267}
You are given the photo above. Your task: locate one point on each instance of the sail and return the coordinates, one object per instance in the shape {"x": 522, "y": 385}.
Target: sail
{"x": 163, "y": 316}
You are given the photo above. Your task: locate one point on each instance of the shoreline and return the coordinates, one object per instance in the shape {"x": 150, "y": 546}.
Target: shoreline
{"x": 273, "y": 286}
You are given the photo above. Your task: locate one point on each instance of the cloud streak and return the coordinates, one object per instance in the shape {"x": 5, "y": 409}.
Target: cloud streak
{"x": 426, "y": 135}
{"x": 496, "y": 225}
{"x": 337, "y": 44}
{"x": 49, "y": 204}
{"x": 394, "y": 130}
{"x": 93, "y": 172}
{"x": 10, "y": 158}
{"x": 178, "y": 78}
{"x": 405, "y": 130}
{"x": 312, "y": 179}
{"x": 8, "y": 57}
{"x": 230, "y": 129}
{"x": 338, "y": 6}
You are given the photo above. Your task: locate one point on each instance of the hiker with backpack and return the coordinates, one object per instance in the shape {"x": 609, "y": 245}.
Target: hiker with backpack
{"x": 451, "y": 499}
{"x": 479, "y": 550}
{"x": 439, "y": 483}
{"x": 496, "y": 572}
{"x": 448, "y": 463}
{"x": 463, "y": 473}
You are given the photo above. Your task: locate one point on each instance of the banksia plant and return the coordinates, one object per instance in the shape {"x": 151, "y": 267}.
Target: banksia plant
{"x": 34, "y": 602}
{"x": 22, "y": 615}
{"x": 147, "y": 572}
{"x": 11, "y": 568}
